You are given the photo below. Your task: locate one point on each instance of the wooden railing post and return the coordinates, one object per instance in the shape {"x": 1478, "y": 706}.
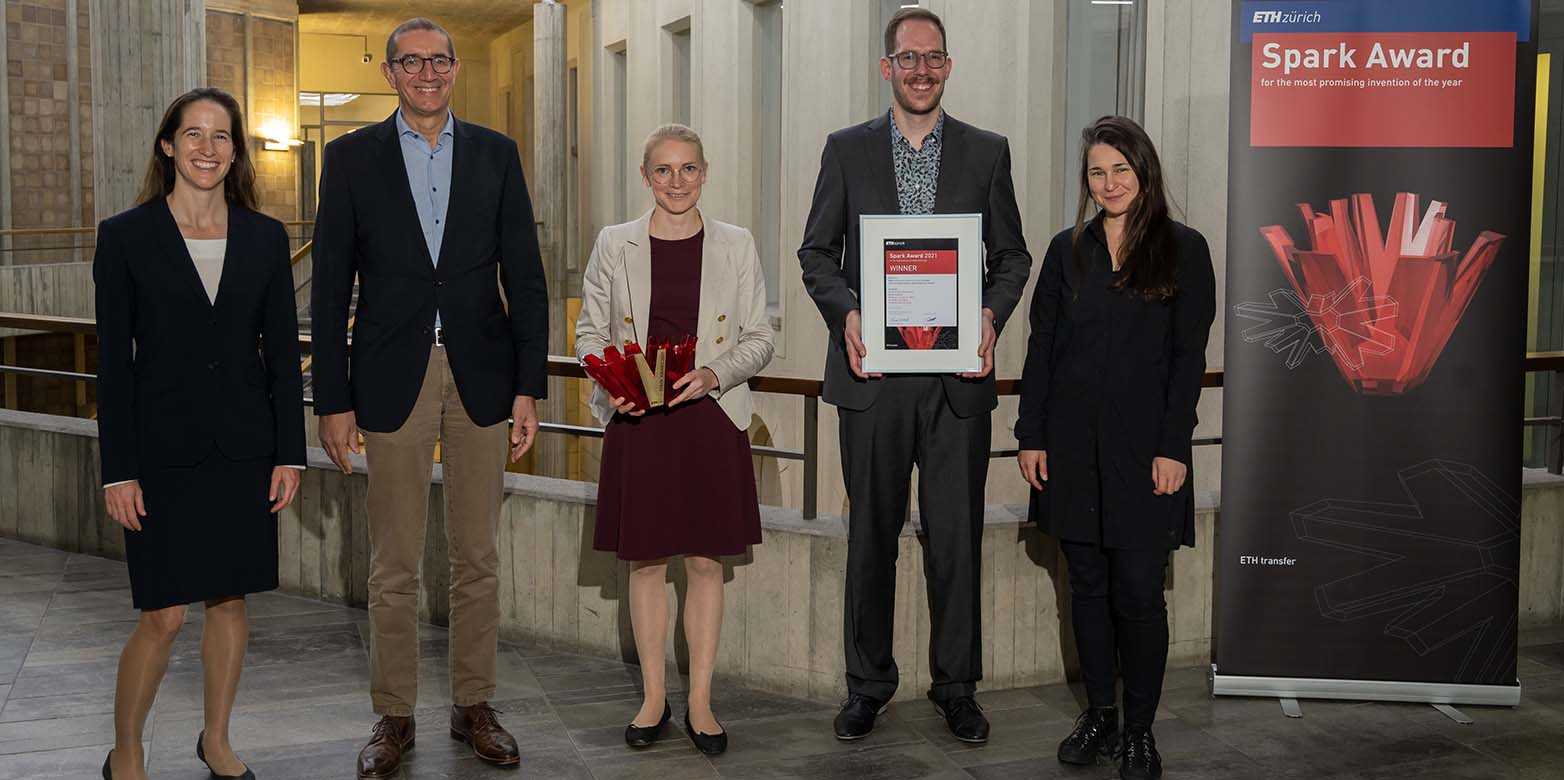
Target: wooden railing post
{"x": 9, "y": 354}
{"x": 811, "y": 456}
{"x": 79, "y": 348}
{"x": 1555, "y": 433}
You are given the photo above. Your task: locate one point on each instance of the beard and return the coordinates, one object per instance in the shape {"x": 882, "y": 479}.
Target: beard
{"x": 907, "y": 100}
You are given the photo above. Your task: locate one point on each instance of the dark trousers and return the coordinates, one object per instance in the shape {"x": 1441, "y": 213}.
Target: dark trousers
{"x": 911, "y": 423}
{"x": 1119, "y": 615}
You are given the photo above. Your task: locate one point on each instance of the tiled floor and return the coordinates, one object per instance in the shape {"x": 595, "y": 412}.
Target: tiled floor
{"x": 304, "y": 711}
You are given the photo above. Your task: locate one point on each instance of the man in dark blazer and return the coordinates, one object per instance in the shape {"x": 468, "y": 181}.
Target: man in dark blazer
{"x": 914, "y": 159}
{"x": 432, "y": 216}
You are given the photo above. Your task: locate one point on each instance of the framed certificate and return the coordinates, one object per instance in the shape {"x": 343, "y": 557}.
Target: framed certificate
{"x": 922, "y": 292}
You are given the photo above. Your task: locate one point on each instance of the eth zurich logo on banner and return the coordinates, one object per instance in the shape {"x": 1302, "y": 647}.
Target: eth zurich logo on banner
{"x": 1383, "y": 306}
{"x": 1310, "y": 16}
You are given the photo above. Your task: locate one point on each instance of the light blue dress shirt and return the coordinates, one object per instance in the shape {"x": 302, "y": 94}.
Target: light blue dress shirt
{"x": 429, "y": 177}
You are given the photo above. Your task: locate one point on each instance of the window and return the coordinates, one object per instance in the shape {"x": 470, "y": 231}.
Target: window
{"x": 1105, "y": 65}
{"x": 618, "y": 135}
{"x": 676, "y": 64}
{"x": 767, "y": 159}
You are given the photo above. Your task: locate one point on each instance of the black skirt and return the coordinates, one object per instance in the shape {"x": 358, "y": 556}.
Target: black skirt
{"x": 208, "y": 534}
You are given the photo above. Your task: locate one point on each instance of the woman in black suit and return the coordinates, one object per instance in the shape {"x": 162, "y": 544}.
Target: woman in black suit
{"x": 1120, "y": 317}
{"x": 200, "y": 409}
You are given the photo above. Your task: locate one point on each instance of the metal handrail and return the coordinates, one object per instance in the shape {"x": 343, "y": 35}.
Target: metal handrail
{"x": 807, "y": 389}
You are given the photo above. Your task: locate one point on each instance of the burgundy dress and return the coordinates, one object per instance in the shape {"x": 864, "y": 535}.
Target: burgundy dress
{"x": 676, "y": 481}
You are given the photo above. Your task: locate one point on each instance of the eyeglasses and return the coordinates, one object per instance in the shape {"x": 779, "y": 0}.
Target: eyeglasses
{"x": 412, "y": 64}
{"x": 663, "y": 174}
{"x": 908, "y": 60}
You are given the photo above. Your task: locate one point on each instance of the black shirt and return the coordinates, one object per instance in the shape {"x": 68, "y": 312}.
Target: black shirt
{"x": 1111, "y": 382}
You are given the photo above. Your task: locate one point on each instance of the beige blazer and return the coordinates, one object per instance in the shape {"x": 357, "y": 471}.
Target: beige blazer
{"x": 733, "y": 338}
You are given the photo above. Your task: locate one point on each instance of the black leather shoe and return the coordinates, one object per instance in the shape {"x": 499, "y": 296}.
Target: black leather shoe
{"x": 646, "y": 736}
{"x": 108, "y": 774}
{"x": 201, "y": 754}
{"x": 856, "y": 719}
{"x": 1096, "y": 735}
{"x": 1139, "y": 759}
{"x": 710, "y": 744}
{"x": 964, "y": 718}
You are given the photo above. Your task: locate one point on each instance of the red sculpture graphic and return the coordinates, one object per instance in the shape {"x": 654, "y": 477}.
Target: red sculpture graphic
{"x": 1383, "y": 304}
{"x": 919, "y": 336}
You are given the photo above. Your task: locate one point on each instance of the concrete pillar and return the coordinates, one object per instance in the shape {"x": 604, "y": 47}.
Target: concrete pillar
{"x": 73, "y": 118}
{"x": 547, "y": 185}
{"x": 144, "y": 55}
{"x": 5, "y": 144}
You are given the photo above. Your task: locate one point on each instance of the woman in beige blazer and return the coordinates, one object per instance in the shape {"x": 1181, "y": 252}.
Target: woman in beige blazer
{"x": 678, "y": 479}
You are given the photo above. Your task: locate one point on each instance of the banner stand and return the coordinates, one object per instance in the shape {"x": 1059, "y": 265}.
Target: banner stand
{"x": 1363, "y": 690}
{"x": 1380, "y": 174}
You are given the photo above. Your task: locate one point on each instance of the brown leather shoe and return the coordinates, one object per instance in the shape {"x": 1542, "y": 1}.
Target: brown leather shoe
{"x": 479, "y": 728}
{"x": 382, "y": 757}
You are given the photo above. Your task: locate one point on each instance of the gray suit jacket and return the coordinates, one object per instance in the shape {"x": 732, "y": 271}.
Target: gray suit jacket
{"x": 858, "y": 177}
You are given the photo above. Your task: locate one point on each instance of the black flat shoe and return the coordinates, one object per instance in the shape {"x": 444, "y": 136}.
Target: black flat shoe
{"x": 710, "y": 744}
{"x": 201, "y": 754}
{"x": 108, "y": 774}
{"x": 646, "y": 736}
{"x": 856, "y": 719}
{"x": 964, "y": 718}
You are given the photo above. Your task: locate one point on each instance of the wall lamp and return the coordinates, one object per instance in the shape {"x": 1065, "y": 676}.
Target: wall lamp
{"x": 276, "y": 136}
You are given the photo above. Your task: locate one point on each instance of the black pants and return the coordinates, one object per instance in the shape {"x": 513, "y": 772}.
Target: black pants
{"x": 1118, "y": 614}
{"x": 911, "y": 423}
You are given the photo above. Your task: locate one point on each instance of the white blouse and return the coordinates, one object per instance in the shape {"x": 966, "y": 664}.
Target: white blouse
{"x": 207, "y": 253}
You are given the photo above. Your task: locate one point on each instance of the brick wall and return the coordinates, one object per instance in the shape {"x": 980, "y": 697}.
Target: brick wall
{"x": 268, "y": 93}
{"x": 273, "y": 97}
{"x": 37, "y": 63}
{"x": 225, "y": 52}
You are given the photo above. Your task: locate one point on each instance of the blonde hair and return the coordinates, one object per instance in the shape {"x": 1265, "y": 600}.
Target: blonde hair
{"x": 672, "y": 132}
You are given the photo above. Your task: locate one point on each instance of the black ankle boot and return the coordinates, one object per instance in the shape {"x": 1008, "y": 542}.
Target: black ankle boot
{"x": 1139, "y": 759}
{"x": 1096, "y": 735}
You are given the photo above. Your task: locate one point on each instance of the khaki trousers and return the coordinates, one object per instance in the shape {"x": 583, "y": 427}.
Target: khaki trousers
{"x": 400, "y": 469}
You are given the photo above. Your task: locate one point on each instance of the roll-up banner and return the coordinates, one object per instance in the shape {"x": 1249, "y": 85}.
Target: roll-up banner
{"x": 1378, "y": 204}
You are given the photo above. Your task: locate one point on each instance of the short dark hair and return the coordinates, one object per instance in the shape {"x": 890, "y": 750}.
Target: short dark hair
{"x": 910, "y": 12}
{"x": 417, "y": 23}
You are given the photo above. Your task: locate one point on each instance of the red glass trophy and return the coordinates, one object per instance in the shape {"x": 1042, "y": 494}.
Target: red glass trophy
{"x": 644, "y": 379}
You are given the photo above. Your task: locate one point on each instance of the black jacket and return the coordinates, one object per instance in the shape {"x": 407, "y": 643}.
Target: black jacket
{"x": 179, "y": 376}
{"x": 1111, "y": 381}
{"x": 858, "y": 176}
{"x": 367, "y": 225}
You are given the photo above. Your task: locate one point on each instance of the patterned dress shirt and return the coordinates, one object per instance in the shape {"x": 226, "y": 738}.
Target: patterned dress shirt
{"x": 917, "y": 170}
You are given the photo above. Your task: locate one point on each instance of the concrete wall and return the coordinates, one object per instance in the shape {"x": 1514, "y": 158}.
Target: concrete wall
{"x": 55, "y": 289}
{"x": 782, "y": 620}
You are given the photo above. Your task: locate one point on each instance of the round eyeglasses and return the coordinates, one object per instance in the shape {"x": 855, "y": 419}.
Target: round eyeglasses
{"x": 662, "y": 174}
{"x": 908, "y": 60}
{"x": 412, "y": 64}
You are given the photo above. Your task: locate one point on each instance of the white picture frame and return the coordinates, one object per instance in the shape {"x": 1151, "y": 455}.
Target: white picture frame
{"x": 888, "y": 354}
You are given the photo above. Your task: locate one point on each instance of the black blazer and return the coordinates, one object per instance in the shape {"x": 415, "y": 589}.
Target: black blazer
{"x": 1111, "y": 381}
{"x": 179, "y": 376}
{"x": 857, "y": 176}
{"x": 367, "y": 225}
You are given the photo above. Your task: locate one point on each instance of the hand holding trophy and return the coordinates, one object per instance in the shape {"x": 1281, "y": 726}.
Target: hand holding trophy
{"x": 644, "y": 381}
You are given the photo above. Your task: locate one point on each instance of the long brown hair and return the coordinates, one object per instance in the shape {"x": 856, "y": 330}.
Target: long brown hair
{"x": 1149, "y": 253}
{"x": 238, "y": 185}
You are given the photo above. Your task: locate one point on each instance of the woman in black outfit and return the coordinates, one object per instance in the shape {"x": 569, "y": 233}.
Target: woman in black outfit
{"x": 200, "y": 410}
{"x": 1120, "y": 318}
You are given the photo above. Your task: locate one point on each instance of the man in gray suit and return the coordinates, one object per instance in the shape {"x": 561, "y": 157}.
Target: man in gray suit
{"x": 914, "y": 159}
